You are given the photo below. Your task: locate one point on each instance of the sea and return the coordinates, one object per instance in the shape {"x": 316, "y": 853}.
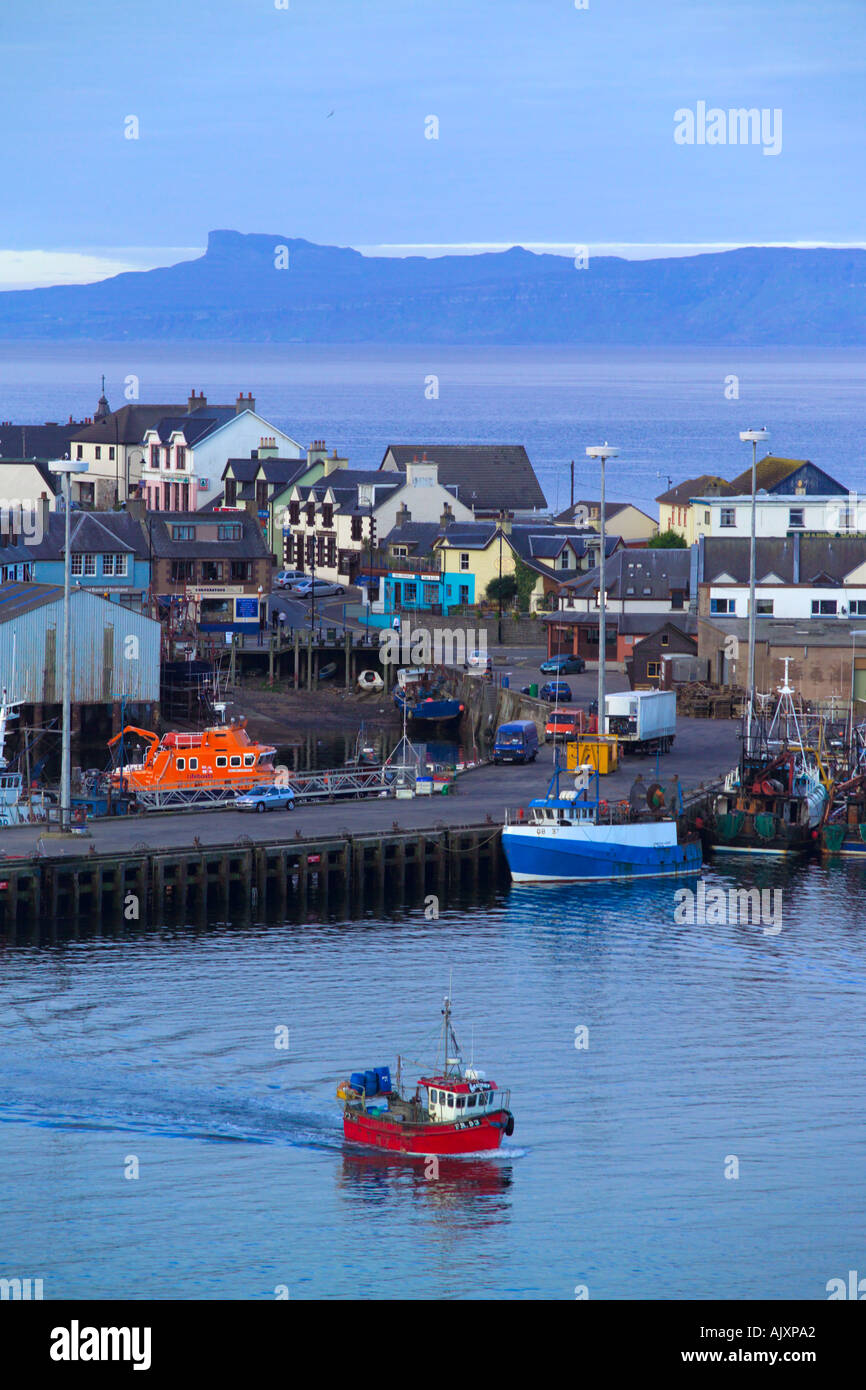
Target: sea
{"x": 689, "y": 1096}
{"x": 673, "y": 413}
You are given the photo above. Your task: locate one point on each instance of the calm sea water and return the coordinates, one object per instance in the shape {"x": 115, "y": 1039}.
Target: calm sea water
{"x": 667, "y": 410}
{"x": 706, "y": 1043}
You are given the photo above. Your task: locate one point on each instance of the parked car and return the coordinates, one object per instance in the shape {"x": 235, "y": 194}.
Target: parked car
{"x": 480, "y": 659}
{"x": 286, "y": 579}
{"x": 266, "y": 797}
{"x": 322, "y": 588}
{"x": 563, "y": 665}
{"x": 516, "y": 742}
{"x": 564, "y": 722}
{"x": 555, "y": 691}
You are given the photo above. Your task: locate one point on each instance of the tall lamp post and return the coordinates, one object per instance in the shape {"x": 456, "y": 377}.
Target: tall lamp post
{"x": 603, "y": 452}
{"x": 66, "y": 467}
{"x": 753, "y": 437}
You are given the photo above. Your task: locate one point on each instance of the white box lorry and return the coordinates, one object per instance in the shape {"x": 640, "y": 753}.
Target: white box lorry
{"x": 644, "y": 721}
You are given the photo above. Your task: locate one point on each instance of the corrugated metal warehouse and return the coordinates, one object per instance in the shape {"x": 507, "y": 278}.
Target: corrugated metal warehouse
{"x": 115, "y": 651}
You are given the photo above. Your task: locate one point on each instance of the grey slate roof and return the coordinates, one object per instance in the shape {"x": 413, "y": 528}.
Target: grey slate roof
{"x": 92, "y": 532}
{"x": 789, "y": 632}
{"x": 830, "y": 556}
{"x": 196, "y": 424}
{"x": 251, "y": 546}
{"x": 127, "y": 425}
{"x": 486, "y": 476}
{"x": 50, "y": 441}
{"x": 660, "y": 571}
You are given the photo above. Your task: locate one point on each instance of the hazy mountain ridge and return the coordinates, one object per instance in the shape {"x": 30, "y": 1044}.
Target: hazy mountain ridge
{"x": 751, "y": 297}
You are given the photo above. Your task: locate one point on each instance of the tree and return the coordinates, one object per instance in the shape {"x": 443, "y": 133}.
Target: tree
{"x": 667, "y": 540}
{"x": 502, "y": 587}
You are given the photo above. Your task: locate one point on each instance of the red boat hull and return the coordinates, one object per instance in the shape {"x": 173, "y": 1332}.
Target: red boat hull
{"x": 468, "y": 1137}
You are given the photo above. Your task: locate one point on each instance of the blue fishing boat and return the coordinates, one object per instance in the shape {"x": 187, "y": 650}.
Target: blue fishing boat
{"x": 419, "y": 696}
{"x": 573, "y": 836}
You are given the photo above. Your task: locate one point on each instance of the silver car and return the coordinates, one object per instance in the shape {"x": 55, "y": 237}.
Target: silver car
{"x": 266, "y": 797}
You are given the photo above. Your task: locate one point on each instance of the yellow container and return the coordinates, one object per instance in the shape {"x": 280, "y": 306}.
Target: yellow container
{"x": 601, "y": 754}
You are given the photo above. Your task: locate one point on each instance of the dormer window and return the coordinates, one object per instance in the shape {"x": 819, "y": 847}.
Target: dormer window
{"x": 311, "y": 513}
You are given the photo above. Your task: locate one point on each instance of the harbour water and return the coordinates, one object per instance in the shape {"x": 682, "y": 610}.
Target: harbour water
{"x": 709, "y": 1049}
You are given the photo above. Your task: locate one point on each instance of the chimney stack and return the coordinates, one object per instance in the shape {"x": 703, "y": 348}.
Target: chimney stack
{"x": 195, "y": 401}
{"x": 244, "y": 402}
{"x": 447, "y": 515}
{"x": 403, "y": 515}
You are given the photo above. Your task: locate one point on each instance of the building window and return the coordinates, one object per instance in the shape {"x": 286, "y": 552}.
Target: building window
{"x": 331, "y": 559}
{"x": 666, "y": 641}
{"x": 230, "y": 533}
{"x": 97, "y": 452}
{"x": 677, "y": 599}
{"x": 463, "y": 593}
{"x": 261, "y": 496}
{"x": 410, "y": 593}
{"x": 231, "y": 492}
{"x": 795, "y": 518}
{"x": 722, "y": 605}
{"x": 294, "y": 513}
{"x": 180, "y": 456}
{"x": 764, "y": 607}
{"x": 327, "y": 515}
{"x": 183, "y": 533}
{"x": 90, "y": 564}
{"x": 857, "y": 607}
{"x": 823, "y": 607}
{"x": 241, "y": 571}
{"x": 111, "y": 452}
{"x": 182, "y": 571}
{"x": 357, "y": 531}
{"x": 79, "y": 451}
{"x": 399, "y": 551}
{"x": 431, "y": 595}
{"x": 311, "y": 513}
{"x": 728, "y": 516}
{"x": 653, "y": 670}
{"x": 211, "y": 572}
{"x": 76, "y": 564}
{"x": 154, "y": 456}
{"x": 706, "y": 518}
{"x": 464, "y": 560}
{"x": 114, "y": 565}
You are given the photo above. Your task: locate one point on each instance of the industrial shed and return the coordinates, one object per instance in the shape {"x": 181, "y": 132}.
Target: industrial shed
{"x": 115, "y": 662}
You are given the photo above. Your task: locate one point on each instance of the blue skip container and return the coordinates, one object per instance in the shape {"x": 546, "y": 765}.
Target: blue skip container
{"x": 357, "y": 1081}
{"x": 383, "y": 1075}
{"x": 371, "y": 1083}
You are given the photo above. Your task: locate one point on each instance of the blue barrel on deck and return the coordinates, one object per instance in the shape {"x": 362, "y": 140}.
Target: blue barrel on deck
{"x": 357, "y": 1081}
{"x": 506, "y": 682}
{"x": 383, "y": 1075}
{"x": 371, "y": 1083}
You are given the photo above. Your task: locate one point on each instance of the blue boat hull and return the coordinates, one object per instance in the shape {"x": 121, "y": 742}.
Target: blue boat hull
{"x": 561, "y": 859}
{"x": 432, "y": 711}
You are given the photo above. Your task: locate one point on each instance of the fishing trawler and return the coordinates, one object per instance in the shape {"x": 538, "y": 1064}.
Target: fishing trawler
{"x": 453, "y": 1110}
{"x": 571, "y": 836}
{"x": 10, "y": 782}
{"x": 222, "y": 757}
{"x": 775, "y": 800}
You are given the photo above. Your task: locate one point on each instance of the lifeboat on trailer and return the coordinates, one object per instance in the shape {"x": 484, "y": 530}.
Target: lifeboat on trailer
{"x": 222, "y": 756}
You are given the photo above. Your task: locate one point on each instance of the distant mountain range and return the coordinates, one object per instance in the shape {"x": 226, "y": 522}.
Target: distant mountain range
{"x": 239, "y": 291}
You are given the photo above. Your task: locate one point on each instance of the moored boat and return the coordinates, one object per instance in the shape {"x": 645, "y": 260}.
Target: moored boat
{"x": 453, "y": 1110}
{"x": 419, "y": 696}
{"x": 572, "y": 837}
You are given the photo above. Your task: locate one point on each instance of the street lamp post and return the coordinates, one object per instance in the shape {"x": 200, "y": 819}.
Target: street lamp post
{"x": 753, "y": 437}
{"x": 66, "y": 467}
{"x": 603, "y": 452}
{"x": 499, "y": 622}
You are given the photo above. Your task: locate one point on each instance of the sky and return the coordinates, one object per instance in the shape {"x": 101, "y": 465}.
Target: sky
{"x": 554, "y": 126}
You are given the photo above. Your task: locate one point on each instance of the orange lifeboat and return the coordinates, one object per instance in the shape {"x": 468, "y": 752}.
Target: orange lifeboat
{"x": 221, "y": 756}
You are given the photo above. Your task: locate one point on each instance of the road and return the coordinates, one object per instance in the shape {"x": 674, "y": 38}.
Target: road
{"x": 704, "y": 749}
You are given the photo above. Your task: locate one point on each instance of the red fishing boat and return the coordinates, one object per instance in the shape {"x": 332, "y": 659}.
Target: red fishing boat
{"x": 453, "y": 1110}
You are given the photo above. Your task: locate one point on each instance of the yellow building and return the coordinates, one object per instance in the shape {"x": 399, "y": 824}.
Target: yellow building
{"x": 676, "y": 512}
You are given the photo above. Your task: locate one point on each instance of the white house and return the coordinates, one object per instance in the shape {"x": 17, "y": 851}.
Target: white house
{"x": 779, "y": 515}
{"x": 796, "y": 577}
{"x": 185, "y": 455}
